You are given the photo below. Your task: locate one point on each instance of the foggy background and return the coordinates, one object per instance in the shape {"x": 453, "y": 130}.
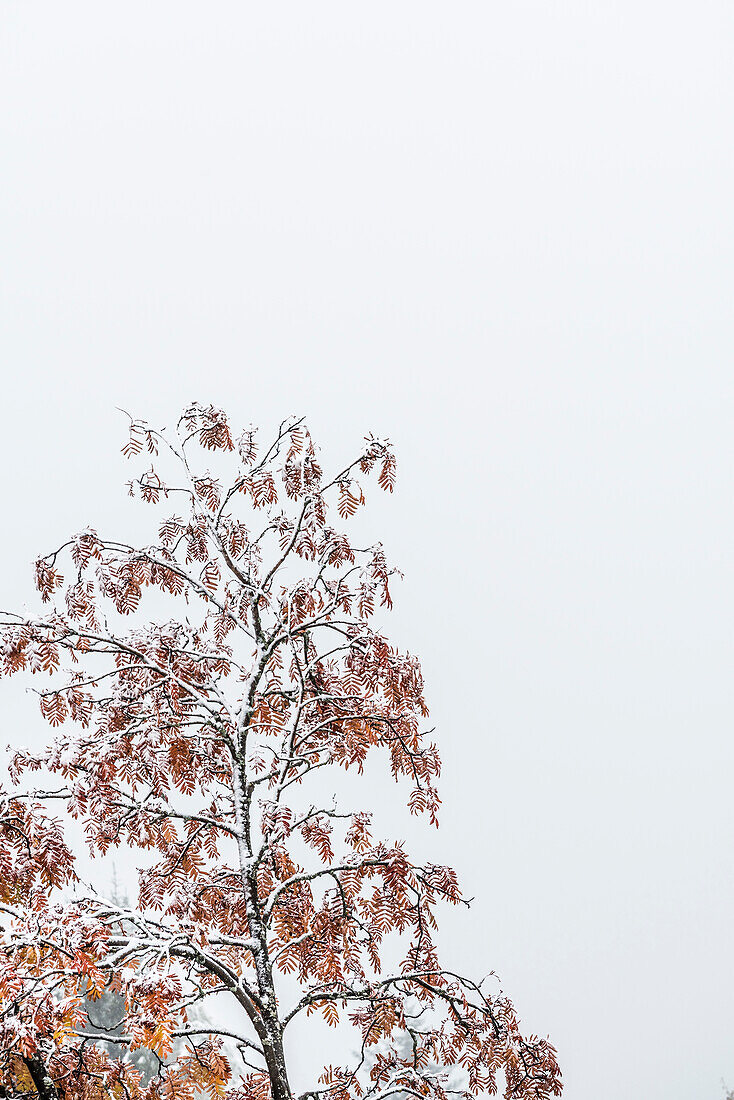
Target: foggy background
{"x": 500, "y": 234}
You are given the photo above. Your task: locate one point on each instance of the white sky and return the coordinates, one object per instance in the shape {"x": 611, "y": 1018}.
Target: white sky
{"x": 502, "y": 235}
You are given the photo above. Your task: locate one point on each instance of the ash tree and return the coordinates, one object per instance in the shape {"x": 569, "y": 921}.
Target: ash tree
{"x": 199, "y": 688}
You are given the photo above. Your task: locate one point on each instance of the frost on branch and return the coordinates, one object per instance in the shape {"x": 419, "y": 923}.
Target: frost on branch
{"x": 195, "y": 689}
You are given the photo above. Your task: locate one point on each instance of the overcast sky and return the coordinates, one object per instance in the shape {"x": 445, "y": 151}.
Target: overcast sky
{"x": 501, "y": 234}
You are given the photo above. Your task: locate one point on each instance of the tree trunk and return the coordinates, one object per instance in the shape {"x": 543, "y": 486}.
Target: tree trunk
{"x": 45, "y": 1087}
{"x": 273, "y": 1038}
{"x": 275, "y": 1059}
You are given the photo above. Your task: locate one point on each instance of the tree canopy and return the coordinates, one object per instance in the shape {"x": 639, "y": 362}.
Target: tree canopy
{"x": 198, "y": 688}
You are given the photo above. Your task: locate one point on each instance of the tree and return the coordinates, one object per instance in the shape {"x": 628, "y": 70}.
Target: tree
{"x": 200, "y": 736}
